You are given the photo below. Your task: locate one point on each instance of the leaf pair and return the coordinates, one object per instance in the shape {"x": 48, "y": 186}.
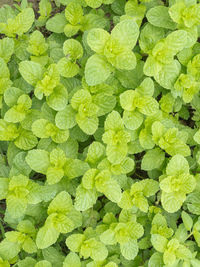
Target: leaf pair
{"x": 176, "y": 184}
{"x": 73, "y": 20}
{"x": 19, "y": 191}
{"x": 86, "y": 111}
{"x": 55, "y": 165}
{"x": 171, "y": 140}
{"x": 125, "y": 232}
{"x": 87, "y": 246}
{"x": 161, "y": 64}
{"x": 18, "y": 25}
{"x": 94, "y": 181}
{"x": 113, "y": 49}
{"x": 116, "y": 138}
{"x": 23, "y": 139}
{"x": 137, "y": 103}
{"x": 138, "y": 194}
{"x": 62, "y": 218}
{"x": 73, "y": 51}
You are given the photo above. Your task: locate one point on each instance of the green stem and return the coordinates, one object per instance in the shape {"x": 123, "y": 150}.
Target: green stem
{"x": 2, "y": 210}
{"x": 136, "y": 174}
{"x": 2, "y": 230}
{"x": 190, "y": 235}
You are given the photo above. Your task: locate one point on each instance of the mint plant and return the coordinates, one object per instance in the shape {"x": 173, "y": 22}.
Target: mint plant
{"x": 99, "y": 133}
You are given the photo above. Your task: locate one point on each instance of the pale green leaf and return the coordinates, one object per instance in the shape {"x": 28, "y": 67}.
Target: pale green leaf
{"x": 85, "y": 198}
{"x": 187, "y": 220}
{"x": 46, "y": 237}
{"x": 30, "y": 71}
{"x": 129, "y": 249}
{"x": 126, "y": 33}
{"x": 97, "y": 39}
{"x": 153, "y": 159}
{"x": 97, "y": 70}
{"x": 57, "y": 23}
{"x": 159, "y": 16}
{"x": 72, "y": 259}
{"x": 38, "y": 160}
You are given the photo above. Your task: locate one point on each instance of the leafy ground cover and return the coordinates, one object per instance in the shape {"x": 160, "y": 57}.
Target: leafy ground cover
{"x": 99, "y": 133}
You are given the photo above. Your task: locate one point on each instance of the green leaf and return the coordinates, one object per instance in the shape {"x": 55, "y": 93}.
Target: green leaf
{"x": 72, "y": 259}
{"x": 46, "y": 236}
{"x": 149, "y": 36}
{"x": 156, "y": 260}
{"x": 26, "y": 140}
{"x": 167, "y": 75}
{"x": 75, "y": 168}
{"x": 159, "y": 242}
{"x": 97, "y": 39}
{"x": 88, "y": 125}
{"x": 67, "y": 68}
{"x": 93, "y": 4}
{"x": 80, "y": 97}
{"x": 85, "y": 198}
{"x": 58, "y": 99}
{"x": 105, "y": 103}
{"x": 71, "y": 30}
{"x": 172, "y": 202}
{"x": 149, "y": 106}
{"x": 187, "y": 220}
{"x": 38, "y": 160}
{"x": 159, "y": 16}
{"x": 45, "y": 8}
{"x": 37, "y": 45}
{"x": 114, "y": 121}
{"x": 126, "y": 33}
{"x": 129, "y": 249}
{"x": 125, "y": 61}
{"x": 72, "y": 49}
{"x": 24, "y": 20}
{"x": 197, "y": 137}
{"x": 28, "y": 261}
{"x": 66, "y": 119}
{"x": 95, "y": 152}
{"x": 75, "y": 241}
{"x": 57, "y": 23}
{"x": 95, "y": 249}
{"x": 97, "y": 70}
{"x": 30, "y": 71}
{"x": 6, "y": 48}
{"x": 29, "y": 246}
{"x": 53, "y": 255}
{"x": 176, "y": 165}
{"x": 4, "y": 182}
{"x": 112, "y": 191}
{"x": 54, "y": 174}
{"x": 108, "y": 237}
{"x": 74, "y": 13}
{"x": 116, "y": 154}
{"x": 42, "y": 128}
{"x": 177, "y": 40}
{"x": 128, "y": 100}
{"x": 88, "y": 180}
{"x": 8, "y": 250}
{"x": 16, "y": 206}
{"x": 11, "y": 95}
{"x": 61, "y": 223}
{"x": 146, "y": 88}
{"x": 20, "y": 165}
{"x": 153, "y": 159}
{"x": 43, "y": 263}
{"x": 62, "y": 203}
{"x": 150, "y": 187}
